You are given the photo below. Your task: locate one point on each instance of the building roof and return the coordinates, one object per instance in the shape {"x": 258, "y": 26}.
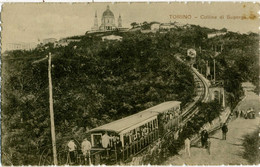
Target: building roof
{"x": 108, "y": 13}
{"x": 138, "y": 119}
{"x": 112, "y": 37}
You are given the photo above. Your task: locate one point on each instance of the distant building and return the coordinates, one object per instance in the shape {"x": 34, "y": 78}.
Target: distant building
{"x": 155, "y": 26}
{"x": 112, "y": 37}
{"x": 65, "y": 41}
{"x": 148, "y": 31}
{"x": 107, "y": 22}
{"x": 217, "y": 33}
{"x": 167, "y": 26}
{"x": 49, "y": 40}
{"x": 175, "y": 25}
{"x": 123, "y": 29}
{"x": 135, "y": 29}
{"x": 20, "y": 46}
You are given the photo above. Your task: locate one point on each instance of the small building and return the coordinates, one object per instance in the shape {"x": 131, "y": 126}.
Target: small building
{"x": 155, "y": 26}
{"x": 217, "y": 92}
{"x": 148, "y": 31}
{"x": 123, "y": 29}
{"x": 112, "y": 37}
{"x": 167, "y": 26}
{"x": 65, "y": 41}
{"x": 217, "y": 33}
{"x": 49, "y": 40}
{"x": 20, "y": 46}
{"x": 135, "y": 29}
{"x": 177, "y": 24}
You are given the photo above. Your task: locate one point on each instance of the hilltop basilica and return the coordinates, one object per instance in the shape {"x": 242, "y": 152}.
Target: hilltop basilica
{"x": 107, "y": 22}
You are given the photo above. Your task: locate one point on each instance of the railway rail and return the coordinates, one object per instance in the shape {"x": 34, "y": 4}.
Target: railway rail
{"x": 192, "y": 108}
{"x": 149, "y": 121}
{"x": 203, "y": 94}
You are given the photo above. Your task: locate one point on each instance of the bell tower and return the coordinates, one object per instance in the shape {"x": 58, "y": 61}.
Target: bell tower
{"x": 119, "y": 21}
{"x": 96, "y": 21}
{"x": 95, "y": 27}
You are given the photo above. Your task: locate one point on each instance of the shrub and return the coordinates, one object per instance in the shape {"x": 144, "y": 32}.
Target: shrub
{"x": 251, "y": 146}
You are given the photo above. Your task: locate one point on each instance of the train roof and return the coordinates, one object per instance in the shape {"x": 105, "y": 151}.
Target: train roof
{"x": 138, "y": 119}
{"x": 165, "y": 106}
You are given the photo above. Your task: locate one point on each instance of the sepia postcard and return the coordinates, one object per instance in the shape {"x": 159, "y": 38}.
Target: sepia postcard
{"x": 130, "y": 84}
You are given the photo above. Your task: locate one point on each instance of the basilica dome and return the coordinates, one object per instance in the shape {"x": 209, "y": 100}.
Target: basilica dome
{"x": 108, "y": 13}
{"x": 108, "y": 22}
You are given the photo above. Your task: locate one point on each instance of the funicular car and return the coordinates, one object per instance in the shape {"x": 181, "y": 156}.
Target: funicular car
{"x": 130, "y": 135}
{"x": 169, "y": 115}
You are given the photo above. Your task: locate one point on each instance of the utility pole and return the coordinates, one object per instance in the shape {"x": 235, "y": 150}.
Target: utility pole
{"x": 52, "y": 114}
{"x": 206, "y": 73}
{"x": 215, "y": 65}
{"x": 214, "y": 70}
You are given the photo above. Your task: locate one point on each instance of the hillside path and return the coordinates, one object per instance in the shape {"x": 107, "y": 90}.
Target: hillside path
{"x": 222, "y": 151}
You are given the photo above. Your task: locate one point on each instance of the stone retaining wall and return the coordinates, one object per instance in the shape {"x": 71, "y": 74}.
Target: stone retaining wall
{"x": 215, "y": 125}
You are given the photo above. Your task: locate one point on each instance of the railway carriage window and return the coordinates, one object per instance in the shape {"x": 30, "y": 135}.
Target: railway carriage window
{"x": 150, "y": 126}
{"x": 141, "y": 131}
{"x": 171, "y": 116}
{"x": 145, "y": 131}
{"x": 97, "y": 140}
{"x": 132, "y": 135}
{"x": 135, "y": 137}
{"x": 138, "y": 134}
{"x": 154, "y": 123}
{"x": 126, "y": 140}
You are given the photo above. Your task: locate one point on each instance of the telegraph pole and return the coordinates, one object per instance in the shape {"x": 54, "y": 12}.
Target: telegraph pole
{"x": 215, "y": 65}
{"x": 214, "y": 70}
{"x": 52, "y": 114}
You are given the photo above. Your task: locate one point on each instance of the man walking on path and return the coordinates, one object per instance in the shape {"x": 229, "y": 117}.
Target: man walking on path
{"x": 208, "y": 143}
{"x": 237, "y": 113}
{"x": 224, "y": 131}
{"x": 187, "y": 146}
{"x": 204, "y": 137}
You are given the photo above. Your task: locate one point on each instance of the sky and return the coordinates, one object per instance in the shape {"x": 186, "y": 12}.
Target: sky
{"x": 31, "y": 22}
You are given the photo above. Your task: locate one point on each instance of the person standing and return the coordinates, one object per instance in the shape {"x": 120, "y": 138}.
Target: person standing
{"x": 202, "y": 138}
{"x": 242, "y": 114}
{"x": 85, "y": 148}
{"x": 72, "y": 150}
{"x": 224, "y": 131}
{"x": 187, "y": 146}
{"x": 237, "y": 113}
{"x": 206, "y": 136}
{"x": 253, "y": 113}
{"x": 118, "y": 148}
{"x": 208, "y": 144}
{"x": 105, "y": 140}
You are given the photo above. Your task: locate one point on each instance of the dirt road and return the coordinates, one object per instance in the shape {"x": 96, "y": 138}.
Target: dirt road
{"x": 222, "y": 151}
{"x": 228, "y": 152}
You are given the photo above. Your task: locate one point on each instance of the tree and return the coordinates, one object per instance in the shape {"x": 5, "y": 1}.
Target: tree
{"x": 134, "y": 24}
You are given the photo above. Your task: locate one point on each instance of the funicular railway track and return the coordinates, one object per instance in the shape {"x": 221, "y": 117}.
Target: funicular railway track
{"x": 202, "y": 95}
{"x": 190, "y": 109}
{"x": 148, "y": 119}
